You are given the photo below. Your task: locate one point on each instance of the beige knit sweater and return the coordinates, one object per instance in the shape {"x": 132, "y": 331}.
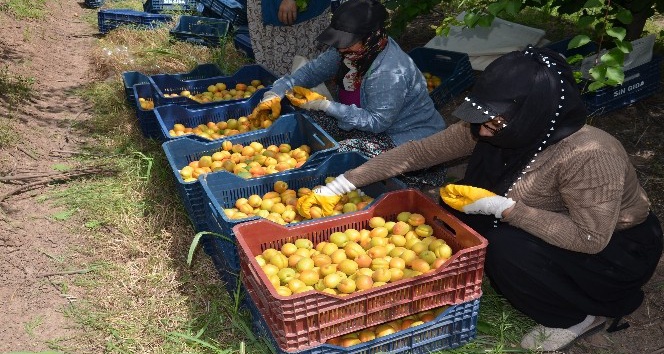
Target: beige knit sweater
{"x": 575, "y": 194}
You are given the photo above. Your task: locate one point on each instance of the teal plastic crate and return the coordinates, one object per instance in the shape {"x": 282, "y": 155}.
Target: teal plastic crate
{"x": 166, "y": 84}
{"x": 201, "y": 71}
{"x": 295, "y": 129}
{"x": 160, "y": 6}
{"x": 200, "y": 30}
{"x": 640, "y": 82}
{"x": 454, "y": 327}
{"x": 169, "y": 115}
{"x": 222, "y": 193}
{"x": 453, "y": 68}
{"x": 110, "y": 19}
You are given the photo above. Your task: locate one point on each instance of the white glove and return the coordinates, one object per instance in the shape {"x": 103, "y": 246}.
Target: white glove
{"x": 339, "y": 186}
{"x": 494, "y": 205}
{"x": 268, "y": 95}
{"x": 316, "y": 105}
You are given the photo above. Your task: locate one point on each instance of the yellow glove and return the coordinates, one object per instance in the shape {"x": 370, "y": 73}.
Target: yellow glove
{"x": 268, "y": 108}
{"x": 458, "y": 196}
{"x": 326, "y": 203}
{"x": 301, "y": 95}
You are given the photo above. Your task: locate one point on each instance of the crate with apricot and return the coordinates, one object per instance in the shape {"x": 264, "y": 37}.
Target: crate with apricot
{"x": 279, "y": 205}
{"x": 433, "y": 81}
{"x": 429, "y": 331}
{"x": 247, "y": 161}
{"x": 447, "y": 73}
{"x": 375, "y": 276}
{"x": 294, "y": 141}
{"x": 355, "y": 260}
{"x": 274, "y": 197}
{"x": 212, "y": 123}
{"x": 246, "y": 82}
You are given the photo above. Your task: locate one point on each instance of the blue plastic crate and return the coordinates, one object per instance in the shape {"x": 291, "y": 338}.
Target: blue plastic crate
{"x": 201, "y": 71}
{"x": 169, "y": 115}
{"x": 146, "y": 117}
{"x": 222, "y": 194}
{"x": 242, "y": 42}
{"x": 114, "y": 18}
{"x": 200, "y": 30}
{"x": 233, "y": 11}
{"x": 211, "y": 245}
{"x": 165, "y": 84}
{"x": 640, "y": 82}
{"x": 93, "y": 4}
{"x": 159, "y": 6}
{"x": 295, "y": 129}
{"x": 454, "y": 327}
{"x": 453, "y": 68}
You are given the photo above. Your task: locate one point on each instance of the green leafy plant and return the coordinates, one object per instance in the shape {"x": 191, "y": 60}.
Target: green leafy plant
{"x": 302, "y": 5}
{"x": 612, "y": 24}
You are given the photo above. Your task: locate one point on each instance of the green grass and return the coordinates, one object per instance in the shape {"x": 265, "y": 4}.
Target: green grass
{"x": 24, "y": 9}
{"x": 15, "y": 87}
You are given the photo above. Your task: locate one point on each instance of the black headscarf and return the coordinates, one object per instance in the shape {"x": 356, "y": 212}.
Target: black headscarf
{"x": 535, "y": 92}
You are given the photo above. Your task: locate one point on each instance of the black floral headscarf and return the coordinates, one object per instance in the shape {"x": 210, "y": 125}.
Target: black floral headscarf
{"x": 354, "y": 65}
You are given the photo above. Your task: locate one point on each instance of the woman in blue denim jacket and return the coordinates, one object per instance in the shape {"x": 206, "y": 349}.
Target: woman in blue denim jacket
{"x": 383, "y": 99}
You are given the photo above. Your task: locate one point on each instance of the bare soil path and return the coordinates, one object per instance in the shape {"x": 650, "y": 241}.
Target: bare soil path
{"x": 33, "y": 243}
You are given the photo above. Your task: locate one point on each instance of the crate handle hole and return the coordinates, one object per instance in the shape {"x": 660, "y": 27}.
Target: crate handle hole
{"x": 440, "y": 222}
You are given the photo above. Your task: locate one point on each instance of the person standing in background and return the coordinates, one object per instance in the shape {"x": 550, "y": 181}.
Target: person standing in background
{"x": 279, "y": 31}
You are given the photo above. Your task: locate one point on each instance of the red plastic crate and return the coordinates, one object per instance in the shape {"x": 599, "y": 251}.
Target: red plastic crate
{"x": 306, "y": 319}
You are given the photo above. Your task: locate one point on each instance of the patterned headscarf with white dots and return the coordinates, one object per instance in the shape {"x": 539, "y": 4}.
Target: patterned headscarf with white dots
{"x": 535, "y": 92}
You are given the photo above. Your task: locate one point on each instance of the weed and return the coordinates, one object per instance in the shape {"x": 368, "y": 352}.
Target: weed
{"x": 31, "y": 325}
{"x": 8, "y": 135}
{"x": 14, "y": 87}
{"x": 22, "y": 9}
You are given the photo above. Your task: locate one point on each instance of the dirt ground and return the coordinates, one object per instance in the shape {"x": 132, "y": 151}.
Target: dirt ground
{"x": 34, "y": 245}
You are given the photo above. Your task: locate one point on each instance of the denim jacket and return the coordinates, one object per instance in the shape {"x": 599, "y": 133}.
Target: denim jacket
{"x": 393, "y": 95}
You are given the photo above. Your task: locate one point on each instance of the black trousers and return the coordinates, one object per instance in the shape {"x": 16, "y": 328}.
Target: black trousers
{"x": 559, "y": 288}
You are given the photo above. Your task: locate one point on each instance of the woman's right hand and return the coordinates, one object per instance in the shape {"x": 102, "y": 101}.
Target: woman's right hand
{"x": 287, "y": 12}
{"x": 326, "y": 197}
{"x": 269, "y": 107}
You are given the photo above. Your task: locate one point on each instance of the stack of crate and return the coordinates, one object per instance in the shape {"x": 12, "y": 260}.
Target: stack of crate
{"x": 317, "y": 322}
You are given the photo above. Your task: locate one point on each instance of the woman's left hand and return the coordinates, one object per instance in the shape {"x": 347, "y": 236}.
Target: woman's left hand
{"x": 474, "y": 200}
{"x": 495, "y": 206}
{"x": 287, "y": 12}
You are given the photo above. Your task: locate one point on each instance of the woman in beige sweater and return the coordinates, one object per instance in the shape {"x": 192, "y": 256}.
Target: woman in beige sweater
{"x": 571, "y": 235}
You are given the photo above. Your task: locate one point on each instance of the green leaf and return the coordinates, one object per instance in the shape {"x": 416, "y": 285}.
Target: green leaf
{"x": 495, "y": 8}
{"x": 598, "y": 72}
{"x": 192, "y": 247}
{"x": 61, "y": 167}
{"x": 585, "y": 21}
{"x": 594, "y": 86}
{"x": 624, "y": 46}
{"x": 615, "y": 75}
{"x": 470, "y": 19}
{"x": 593, "y": 4}
{"x": 578, "y": 41}
{"x": 617, "y": 32}
{"x": 513, "y": 7}
{"x": 624, "y": 16}
{"x": 196, "y": 240}
{"x": 614, "y": 57}
{"x": 485, "y": 21}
